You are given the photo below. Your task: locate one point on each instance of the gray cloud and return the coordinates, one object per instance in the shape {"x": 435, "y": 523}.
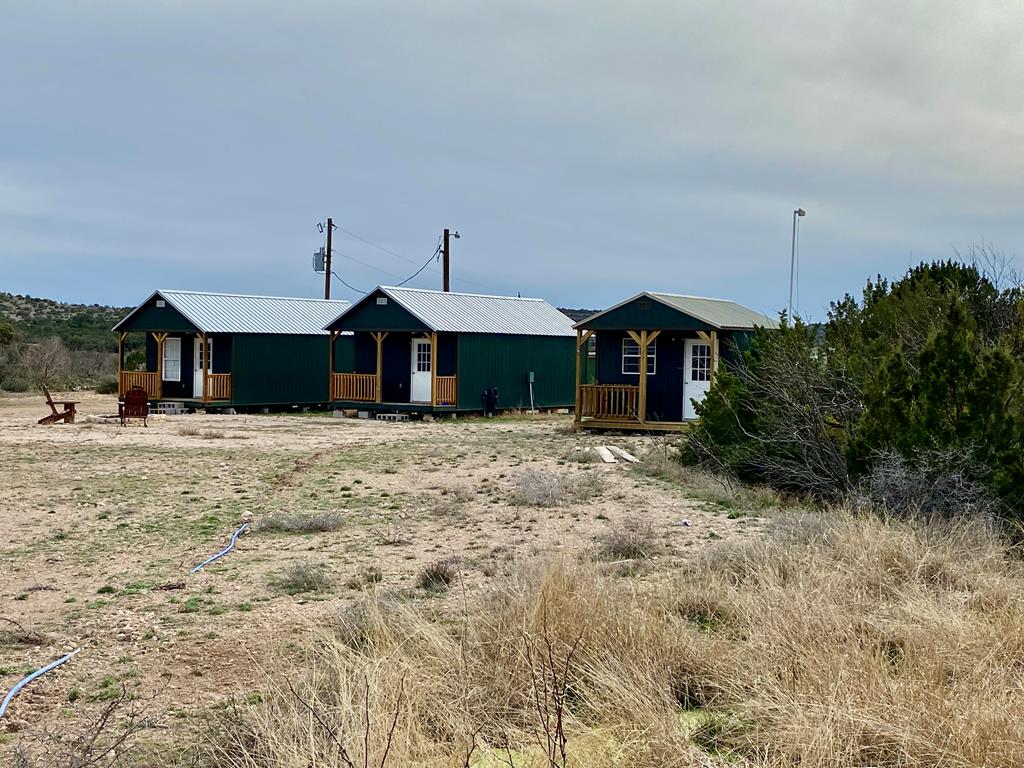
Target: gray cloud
{"x": 585, "y": 149}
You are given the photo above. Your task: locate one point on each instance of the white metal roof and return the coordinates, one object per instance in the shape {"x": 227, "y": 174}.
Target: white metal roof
{"x": 448, "y": 312}
{"x": 240, "y": 313}
{"x": 718, "y": 313}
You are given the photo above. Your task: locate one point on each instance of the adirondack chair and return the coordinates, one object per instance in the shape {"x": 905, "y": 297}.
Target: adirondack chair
{"x": 134, "y": 405}
{"x": 67, "y": 415}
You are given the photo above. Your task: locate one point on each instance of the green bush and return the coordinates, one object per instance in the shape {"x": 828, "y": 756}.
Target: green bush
{"x": 923, "y": 376}
{"x": 107, "y": 386}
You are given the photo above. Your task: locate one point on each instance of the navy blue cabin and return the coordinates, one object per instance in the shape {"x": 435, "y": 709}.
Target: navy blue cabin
{"x": 655, "y": 356}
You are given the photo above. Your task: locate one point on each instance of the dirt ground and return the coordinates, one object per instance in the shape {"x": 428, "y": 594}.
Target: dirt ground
{"x": 101, "y": 525}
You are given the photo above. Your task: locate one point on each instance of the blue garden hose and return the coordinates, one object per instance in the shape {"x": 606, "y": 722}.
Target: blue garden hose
{"x": 228, "y": 548}
{"x": 30, "y": 678}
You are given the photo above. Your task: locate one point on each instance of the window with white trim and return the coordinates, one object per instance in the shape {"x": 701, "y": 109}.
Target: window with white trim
{"x": 172, "y": 359}
{"x": 631, "y": 357}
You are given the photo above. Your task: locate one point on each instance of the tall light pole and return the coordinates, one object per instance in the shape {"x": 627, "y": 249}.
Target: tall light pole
{"x": 798, "y": 213}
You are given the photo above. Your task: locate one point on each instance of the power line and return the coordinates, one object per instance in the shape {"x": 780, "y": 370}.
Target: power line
{"x": 425, "y": 265}
{"x": 415, "y": 274}
{"x": 350, "y": 287}
{"x": 374, "y": 245}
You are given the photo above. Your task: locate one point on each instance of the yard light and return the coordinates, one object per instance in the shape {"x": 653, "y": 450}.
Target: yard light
{"x": 797, "y": 214}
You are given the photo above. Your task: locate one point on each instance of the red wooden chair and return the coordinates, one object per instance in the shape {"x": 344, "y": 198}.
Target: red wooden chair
{"x": 67, "y": 415}
{"x": 134, "y": 405}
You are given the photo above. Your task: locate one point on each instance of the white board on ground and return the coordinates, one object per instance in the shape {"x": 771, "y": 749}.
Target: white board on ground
{"x": 623, "y": 454}
{"x": 606, "y": 455}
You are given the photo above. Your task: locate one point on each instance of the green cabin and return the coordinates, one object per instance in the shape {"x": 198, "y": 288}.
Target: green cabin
{"x": 220, "y": 350}
{"x": 416, "y": 350}
{"x": 654, "y": 357}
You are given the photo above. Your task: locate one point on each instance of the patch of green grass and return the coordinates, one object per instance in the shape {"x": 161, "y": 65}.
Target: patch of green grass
{"x": 106, "y": 589}
{"x": 192, "y": 605}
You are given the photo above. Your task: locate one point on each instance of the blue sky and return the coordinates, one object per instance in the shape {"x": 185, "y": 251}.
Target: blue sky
{"x": 585, "y": 150}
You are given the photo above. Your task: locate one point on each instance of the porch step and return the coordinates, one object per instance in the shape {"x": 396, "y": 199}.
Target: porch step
{"x": 392, "y": 417}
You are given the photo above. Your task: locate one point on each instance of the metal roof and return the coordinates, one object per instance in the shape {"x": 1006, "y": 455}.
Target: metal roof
{"x": 239, "y": 313}
{"x": 448, "y": 312}
{"x": 718, "y": 313}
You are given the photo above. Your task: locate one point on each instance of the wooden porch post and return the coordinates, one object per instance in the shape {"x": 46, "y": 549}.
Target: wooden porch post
{"x": 160, "y": 338}
{"x": 330, "y": 366}
{"x": 204, "y": 361}
{"x": 379, "y": 337}
{"x": 120, "y": 362}
{"x": 579, "y": 380}
{"x": 433, "y": 369}
{"x": 642, "y": 408}
{"x": 581, "y": 346}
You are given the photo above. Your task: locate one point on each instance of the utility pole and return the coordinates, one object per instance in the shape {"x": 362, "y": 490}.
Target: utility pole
{"x": 792, "y": 261}
{"x": 447, "y": 266}
{"x": 446, "y": 253}
{"x": 327, "y": 260}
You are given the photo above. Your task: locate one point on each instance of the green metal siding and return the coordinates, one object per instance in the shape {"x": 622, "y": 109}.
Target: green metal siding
{"x": 281, "y": 369}
{"x": 645, "y": 314}
{"x": 494, "y": 360}
{"x": 368, "y": 315}
{"x": 150, "y": 317}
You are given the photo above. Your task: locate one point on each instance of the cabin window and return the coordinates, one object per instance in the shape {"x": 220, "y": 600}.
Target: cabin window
{"x": 423, "y": 357}
{"x": 700, "y": 362}
{"x": 161, "y": 303}
{"x": 172, "y": 359}
{"x": 631, "y": 357}
{"x": 382, "y": 300}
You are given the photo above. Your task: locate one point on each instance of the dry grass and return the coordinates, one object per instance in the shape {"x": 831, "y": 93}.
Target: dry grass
{"x": 537, "y": 488}
{"x": 632, "y": 540}
{"x": 205, "y": 434}
{"x": 438, "y": 576}
{"x": 662, "y": 463}
{"x": 304, "y": 577}
{"x": 298, "y": 522}
{"x": 836, "y": 641}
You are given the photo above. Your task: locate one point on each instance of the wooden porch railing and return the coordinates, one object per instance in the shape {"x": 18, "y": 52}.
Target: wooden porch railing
{"x": 148, "y": 380}
{"x": 218, "y": 386}
{"x": 609, "y": 401}
{"x": 445, "y": 390}
{"x": 360, "y": 387}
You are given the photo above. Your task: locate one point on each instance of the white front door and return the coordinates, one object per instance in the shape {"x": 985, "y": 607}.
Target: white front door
{"x": 197, "y": 367}
{"x": 422, "y": 365}
{"x": 696, "y": 374}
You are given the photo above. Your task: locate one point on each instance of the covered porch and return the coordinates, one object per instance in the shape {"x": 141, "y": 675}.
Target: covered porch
{"x": 656, "y": 358}
{"x": 178, "y": 366}
{"x": 688, "y": 361}
{"x": 395, "y": 369}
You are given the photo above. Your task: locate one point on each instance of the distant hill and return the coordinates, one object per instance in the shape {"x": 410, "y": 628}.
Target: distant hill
{"x": 87, "y": 326}
{"x": 80, "y": 326}
{"x": 578, "y": 314}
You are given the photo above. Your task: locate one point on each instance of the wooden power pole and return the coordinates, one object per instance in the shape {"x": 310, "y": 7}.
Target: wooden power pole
{"x": 327, "y": 260}
{"x": 447, "y": 269}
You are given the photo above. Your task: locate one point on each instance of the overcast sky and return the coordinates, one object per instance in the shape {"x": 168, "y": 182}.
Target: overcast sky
{"x": 585, "y": 150}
